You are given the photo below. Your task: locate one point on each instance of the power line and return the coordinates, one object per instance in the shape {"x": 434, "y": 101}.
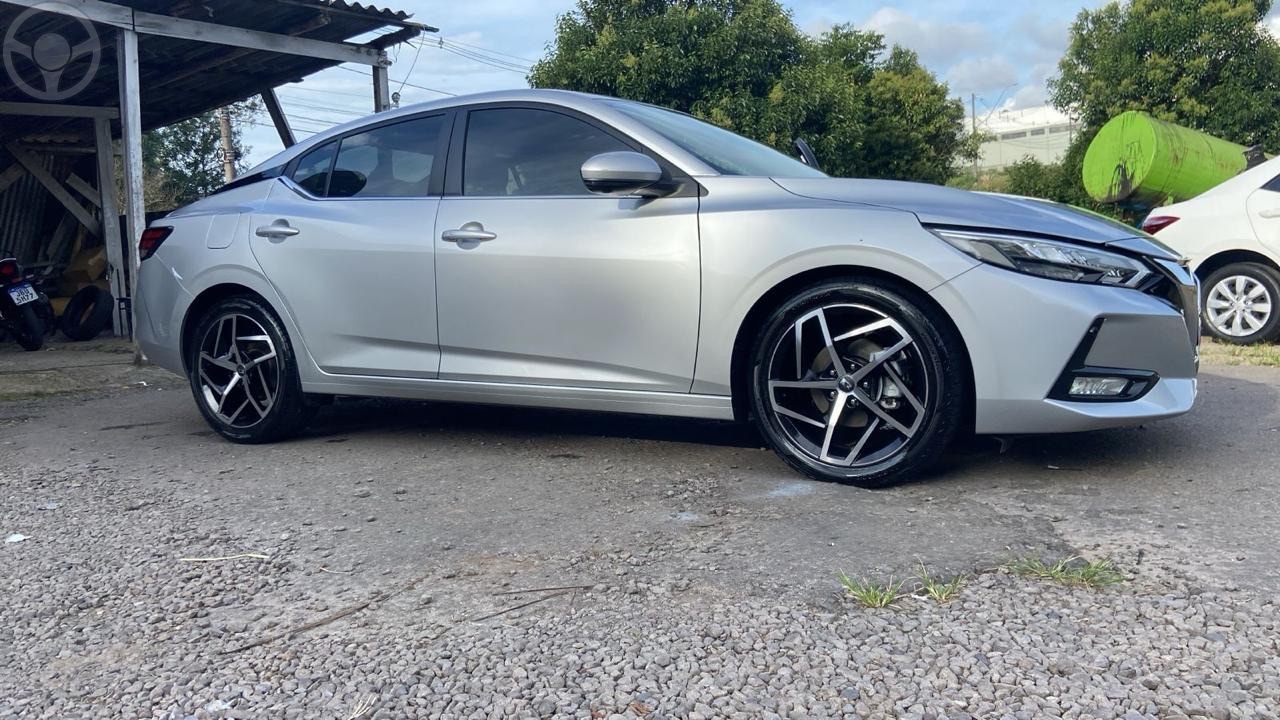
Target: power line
{"x": 416, "y": 52}
{"x": 492, "y": 52}
{"x": 416, "y": 87}
{"x": 490, "y": 61}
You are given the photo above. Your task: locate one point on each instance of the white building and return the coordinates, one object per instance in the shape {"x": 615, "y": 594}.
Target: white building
{"x": 1042, "y": 133}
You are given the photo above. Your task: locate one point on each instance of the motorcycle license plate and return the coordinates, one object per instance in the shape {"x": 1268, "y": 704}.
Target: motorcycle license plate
{"x": 23, "y": 294}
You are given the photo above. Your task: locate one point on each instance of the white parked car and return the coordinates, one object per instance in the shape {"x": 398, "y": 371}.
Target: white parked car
{"x": 1231, "y": 234}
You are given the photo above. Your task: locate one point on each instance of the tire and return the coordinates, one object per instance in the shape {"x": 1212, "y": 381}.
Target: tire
{"x": 1241, "y": 304}
{"x": 87, "y": 314}
{"x": 244, "y": 373}
{"x": 27, "y": 329}
{"x": 898, "y": 414}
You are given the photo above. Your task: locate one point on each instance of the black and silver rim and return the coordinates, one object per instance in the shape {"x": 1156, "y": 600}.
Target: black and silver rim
{"x": 1238, "y": 306}
{"x": 239, "y": 371}
{"x": 848, "y": 386}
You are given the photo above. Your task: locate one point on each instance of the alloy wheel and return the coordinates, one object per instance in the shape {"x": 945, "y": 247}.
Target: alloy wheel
{"x": 1238, "y": 306}
{"x": 239, "y": 371}
{"x": 848, "y": 386}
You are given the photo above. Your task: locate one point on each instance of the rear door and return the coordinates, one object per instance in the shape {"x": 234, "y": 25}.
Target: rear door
{"x": 346, "y": 239}
{"x": 1264, "y": 213}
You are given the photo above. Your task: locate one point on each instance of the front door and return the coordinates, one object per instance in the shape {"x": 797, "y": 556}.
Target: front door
{"x": 541, "y": 282}
{"x": 346, "y": 240}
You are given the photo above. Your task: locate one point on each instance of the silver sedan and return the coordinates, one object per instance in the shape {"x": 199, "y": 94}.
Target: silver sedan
{"x": 553, "y": 249}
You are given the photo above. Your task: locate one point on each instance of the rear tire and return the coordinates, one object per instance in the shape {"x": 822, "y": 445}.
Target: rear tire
{"x": 28, "y": 331}
{"x": 1240, "y": 304}
{"x": 884, "y": 412}
{"x": 244, "y": 373}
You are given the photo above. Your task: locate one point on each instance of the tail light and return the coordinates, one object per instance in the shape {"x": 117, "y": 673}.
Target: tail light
{"x": 10, "y": 271}
{"x": 1155, "y": 223}
{"x": 151, "y": 240}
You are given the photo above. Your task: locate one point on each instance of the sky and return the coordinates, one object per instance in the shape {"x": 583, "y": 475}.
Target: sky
{"x": 992, "y": 59}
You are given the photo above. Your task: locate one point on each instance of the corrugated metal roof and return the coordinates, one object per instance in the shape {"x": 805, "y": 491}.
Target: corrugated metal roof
{"x": 183, "y": 78}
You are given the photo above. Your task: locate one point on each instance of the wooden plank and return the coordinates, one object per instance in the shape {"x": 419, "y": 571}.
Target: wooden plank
{"x": 272, "y": 101}
{"x": 184, "y": 29}
{"x": 11, "y": 175}
{"x": 165, "y": 26}
{"x": 110, "y": 220}
{"x": 382, "y": 89}
{"x": 84, "y": 188}
{"x": 50, "y": 183}
{"x": 46, "y": 110}
{"x": 131, "y": 143}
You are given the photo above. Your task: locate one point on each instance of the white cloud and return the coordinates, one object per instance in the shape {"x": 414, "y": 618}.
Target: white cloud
{"x": 1272, "y": 25}
{"x": 937, "y": 43}
{"x": 980, "y": 74}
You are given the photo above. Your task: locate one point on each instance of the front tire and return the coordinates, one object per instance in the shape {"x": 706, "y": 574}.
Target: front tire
{"x": 244, "y": 373}
{"x": 1240, "y": 304}
{"x": 857, "y": 381}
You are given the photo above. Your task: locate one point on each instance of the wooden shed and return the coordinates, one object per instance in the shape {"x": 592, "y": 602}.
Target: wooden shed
{"x": 82, "y": 80}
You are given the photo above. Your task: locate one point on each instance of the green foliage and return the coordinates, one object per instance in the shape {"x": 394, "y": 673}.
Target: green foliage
{"x": 183, "y": 161}
{"x": 936, "y": 589}
{"x": 744, "y": 65}
{"x": 1073, "y": 571}
{"x": 1205, "y": 65}
{"x": 870, "y": 594}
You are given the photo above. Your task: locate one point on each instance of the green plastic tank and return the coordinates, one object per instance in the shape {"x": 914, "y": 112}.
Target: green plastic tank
{"x": 1139, "y": 160}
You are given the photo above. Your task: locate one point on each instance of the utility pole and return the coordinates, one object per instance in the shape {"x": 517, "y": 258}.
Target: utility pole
{"x": 973, "y": 120}
{"x": 229, "y": 156}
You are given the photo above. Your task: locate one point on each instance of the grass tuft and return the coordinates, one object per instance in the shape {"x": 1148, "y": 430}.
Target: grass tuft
{"x": 1074, "y": 571}
{"x": 936, "y": 589}
{"x": 870, "y": 594}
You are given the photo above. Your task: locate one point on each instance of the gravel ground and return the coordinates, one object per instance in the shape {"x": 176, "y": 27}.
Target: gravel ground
{"x": 102, "y": 618}
{"x": 707, "y": 566}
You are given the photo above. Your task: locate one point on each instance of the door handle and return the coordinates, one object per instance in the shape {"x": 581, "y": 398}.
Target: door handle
{"x": 472, "y": 232}
{"x": 1271, "y": 214}
{"x": 277, "y": 229}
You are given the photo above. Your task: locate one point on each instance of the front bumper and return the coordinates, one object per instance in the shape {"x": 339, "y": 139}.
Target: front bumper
{"x": 1023, "y": 333}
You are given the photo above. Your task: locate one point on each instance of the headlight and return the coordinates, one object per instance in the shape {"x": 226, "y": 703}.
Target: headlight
{"x": 1048, "y": 258}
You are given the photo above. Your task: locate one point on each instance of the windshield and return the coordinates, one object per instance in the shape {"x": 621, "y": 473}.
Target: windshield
{"x": 727, "y": 153}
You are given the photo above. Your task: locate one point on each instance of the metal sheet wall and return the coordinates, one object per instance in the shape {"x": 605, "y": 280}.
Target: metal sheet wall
{"x": 23, "y": 208}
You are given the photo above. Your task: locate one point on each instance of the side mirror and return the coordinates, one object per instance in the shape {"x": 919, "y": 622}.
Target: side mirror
{"x": 621, "y": 173}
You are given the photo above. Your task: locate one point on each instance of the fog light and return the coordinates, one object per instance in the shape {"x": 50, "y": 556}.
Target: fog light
{"x": 1099, "y": 386}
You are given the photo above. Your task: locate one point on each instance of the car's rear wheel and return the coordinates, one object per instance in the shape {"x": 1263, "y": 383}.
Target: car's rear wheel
{"x": 244, "y": 373}
{"x": 858, "y": 382}
{"x": 1240, "y": 304}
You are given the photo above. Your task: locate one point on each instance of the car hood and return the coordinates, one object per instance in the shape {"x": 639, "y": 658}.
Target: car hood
{"x": 937, "y": 205}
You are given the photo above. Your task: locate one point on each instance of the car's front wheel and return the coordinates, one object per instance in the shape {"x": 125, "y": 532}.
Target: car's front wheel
{"x": 858, "y": 382}
{"x": 1240, "y": 304}
{"x": 244, "y": 373}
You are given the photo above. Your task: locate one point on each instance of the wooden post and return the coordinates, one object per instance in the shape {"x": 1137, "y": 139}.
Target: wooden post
{"x": 131, "y": 142}
{"x": 116, "y": 269}
{"x": 229, "y": 157}
{"x": 272, "y": 101}
{"x": 382, "y": 85}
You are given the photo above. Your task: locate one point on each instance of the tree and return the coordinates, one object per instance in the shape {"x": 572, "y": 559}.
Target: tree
{"x": 183, "y": 162}
{"x": 743, "y": 65}
{"x": 1206, "y": 65}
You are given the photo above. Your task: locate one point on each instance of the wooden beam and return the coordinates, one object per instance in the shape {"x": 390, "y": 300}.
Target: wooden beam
{"x": 45, "y": 110}
{"x": 222, "y": 58}
{"x": 110, "y": 221}
{"x": 183, "y": 29}
{"x": 50, "y": 183}
{"x": 75, "y": 182}
{"x": 32, "y": 165}
{"x": 131, "y": 142}
{"x": 278, "y": 118}
{"x": 11, "y": 175}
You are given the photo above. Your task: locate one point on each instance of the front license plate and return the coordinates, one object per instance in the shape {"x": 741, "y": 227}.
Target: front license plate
{"x": 23, "y": 294}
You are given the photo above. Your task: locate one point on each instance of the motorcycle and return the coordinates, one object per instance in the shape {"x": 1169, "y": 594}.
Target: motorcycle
{"x": 25, "y": 311}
